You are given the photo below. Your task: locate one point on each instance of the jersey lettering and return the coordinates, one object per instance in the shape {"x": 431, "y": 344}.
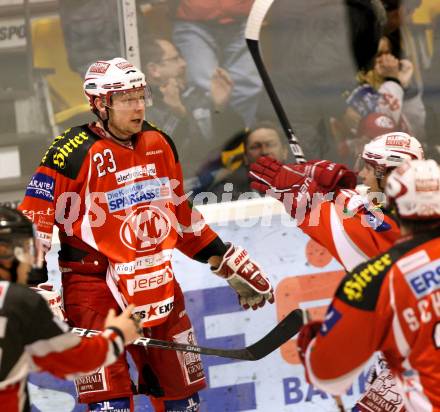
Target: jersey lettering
{"x": 101, "y": 159}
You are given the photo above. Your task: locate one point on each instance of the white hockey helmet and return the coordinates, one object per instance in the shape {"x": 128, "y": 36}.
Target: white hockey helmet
{"x": 391, "y": 150}
{"x": 415, "y": 189}
{"x": 106, "y": 77}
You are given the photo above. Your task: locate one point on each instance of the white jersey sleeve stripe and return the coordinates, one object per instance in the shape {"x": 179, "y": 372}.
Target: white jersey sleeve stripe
{"x": 349, "y": 254}
{"x": 338, "y": 386}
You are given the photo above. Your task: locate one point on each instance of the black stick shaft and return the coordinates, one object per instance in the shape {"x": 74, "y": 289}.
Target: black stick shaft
{"x": 276, "y": 103}
{"x": 282, "y": 332}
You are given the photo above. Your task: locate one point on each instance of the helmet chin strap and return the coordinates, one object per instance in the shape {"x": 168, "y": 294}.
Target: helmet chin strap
{"x": 107, "y": 129}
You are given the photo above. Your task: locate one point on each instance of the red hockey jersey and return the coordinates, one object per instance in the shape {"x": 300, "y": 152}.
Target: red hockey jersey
{"x": 389, "y": 304}
{"x": 128, "y": 203}
{"x": 350, "y": 228}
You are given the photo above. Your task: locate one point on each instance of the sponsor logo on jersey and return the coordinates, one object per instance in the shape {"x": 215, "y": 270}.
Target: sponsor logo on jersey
{"x": 133, "y": 173}
{"x": 144, "y": 262}
{"x": 151, "y": 169}
{"x": 156, "y": 310}
{"x": 154, "y": 152}
{"x": 95, "y": 382}
{"x": 137, "y": 193}
{"x": 43, "y": 236}
{"x": 99, "y": 67}
{"x": 63, "y": 152}
{"x": 37, "y": 215}
{"x": 426, "y": 280}
{"x": 331, "y": 318}
{"x": 145, "y": 228}
{"x": 358, "y": 280}
{"x": 376, "y": 222}
{"x": 413, "y": 261}
{"x": 149, "y": 281}
{"x": 41, "y": 187}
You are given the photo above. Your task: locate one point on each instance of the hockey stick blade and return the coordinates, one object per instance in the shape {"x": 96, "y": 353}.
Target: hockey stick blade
{"x": 280, "y": 334}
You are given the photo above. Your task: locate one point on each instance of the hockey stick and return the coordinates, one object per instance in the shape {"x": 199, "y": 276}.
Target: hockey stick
{"x": 280, "y": 334}
{"x": 252, "y": 35}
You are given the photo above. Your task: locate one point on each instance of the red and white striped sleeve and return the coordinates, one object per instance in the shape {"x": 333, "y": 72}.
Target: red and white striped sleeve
{"x": 54, "y": 349}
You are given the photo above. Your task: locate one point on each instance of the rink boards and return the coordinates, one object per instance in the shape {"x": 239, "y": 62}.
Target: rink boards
{"x": 303, "y": 274}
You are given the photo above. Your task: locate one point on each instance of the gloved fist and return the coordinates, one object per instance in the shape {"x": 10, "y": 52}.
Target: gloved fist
{"x": 306, "y": 335}
{"x": 245, "y": 276}
{"x": 301, "y": 180}
{"x": 53, "y": 299}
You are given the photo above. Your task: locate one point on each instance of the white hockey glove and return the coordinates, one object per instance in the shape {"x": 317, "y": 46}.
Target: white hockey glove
{"x": 246, "y": 277}
{"x": 53, "y": 298}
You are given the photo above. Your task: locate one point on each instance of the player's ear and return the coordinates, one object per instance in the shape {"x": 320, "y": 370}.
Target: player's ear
{"x": 100, "y": 106}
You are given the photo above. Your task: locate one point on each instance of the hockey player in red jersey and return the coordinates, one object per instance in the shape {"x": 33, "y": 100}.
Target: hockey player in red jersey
{"x": 114, "y": 189}
{"x": 29, "y": 332}
{"x": 353, "y": 226}
{"x": 390, "y": 303}
{"x": 321, "y": 195}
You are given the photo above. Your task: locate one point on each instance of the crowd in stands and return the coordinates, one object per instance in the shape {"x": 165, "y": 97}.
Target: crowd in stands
{"x": 345, "y": 71}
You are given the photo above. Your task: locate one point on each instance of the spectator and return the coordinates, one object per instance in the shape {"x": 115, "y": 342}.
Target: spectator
{"x": 351, "y": 143}
{"x": 381, "y": 90}
{"x": 211, "y": 36}
{"x": 404, "y": 42}
{"x": 371, "y": 126}
{"x": 264, "y": 140}
{"x": 314, "y": 62}
{"x": 431, "y": 95}
{"x": 200, "y": 121}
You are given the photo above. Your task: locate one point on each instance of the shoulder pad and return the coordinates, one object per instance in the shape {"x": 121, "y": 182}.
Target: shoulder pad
{"x": 360, "y": 288}
{"x": 68, "y": 150}
{"x": 147, "y": 126}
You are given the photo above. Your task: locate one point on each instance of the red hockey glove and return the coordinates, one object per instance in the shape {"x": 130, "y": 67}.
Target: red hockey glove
{"x": 306, "y": 335}
{"x": 245, "y": 276}
{"x": 302, "y": 180}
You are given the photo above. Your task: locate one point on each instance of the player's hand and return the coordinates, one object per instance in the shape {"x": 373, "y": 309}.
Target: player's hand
{"x": 305, "y": 336}
{"x": 245, "y": 276}
{"x": 125, "y": 323}
{"x": 301, "y": 181}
